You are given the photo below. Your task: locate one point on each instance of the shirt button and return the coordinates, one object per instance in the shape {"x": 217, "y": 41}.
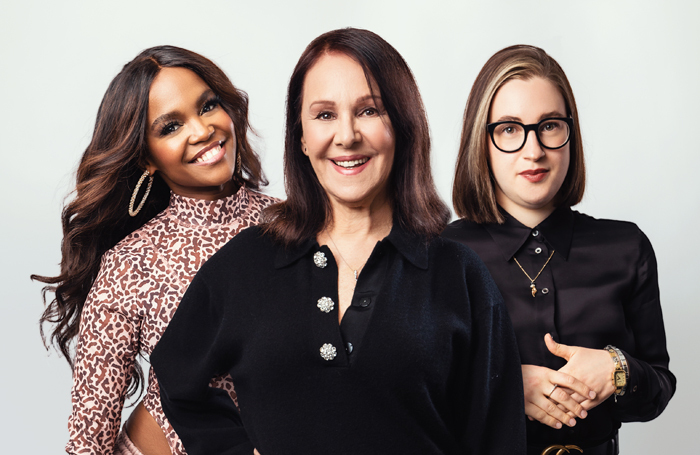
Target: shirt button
{"x": 545, "y": 291}
{"x": 325, "y": 304}
{"x": 535, "y": 233}
{"x": 349, "y": 347}
{"x": 634, "y": 389}
{"x": 320, "y": 259}
{"x": 328, "y": 351}
{"x": 365, "y": 301}
{"x": 538, "y": 250}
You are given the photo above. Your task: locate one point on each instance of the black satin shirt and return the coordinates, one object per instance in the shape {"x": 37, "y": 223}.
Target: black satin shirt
{"x": 600, "y": 287}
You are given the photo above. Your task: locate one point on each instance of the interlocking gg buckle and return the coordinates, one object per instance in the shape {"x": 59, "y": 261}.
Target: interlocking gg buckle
{"x": 560, "y": 449}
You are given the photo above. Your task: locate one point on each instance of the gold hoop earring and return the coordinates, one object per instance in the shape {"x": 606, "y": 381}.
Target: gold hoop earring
{"x": 239, "y": 165}
{"x": 133, "y": 212}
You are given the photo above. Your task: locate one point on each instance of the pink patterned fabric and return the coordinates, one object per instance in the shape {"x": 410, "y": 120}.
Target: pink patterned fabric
{"x": 135, "y": 294}
{"x": 124, "y": 446}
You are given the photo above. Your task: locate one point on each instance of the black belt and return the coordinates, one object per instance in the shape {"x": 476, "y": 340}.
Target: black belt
{"x": 610, "y": 447}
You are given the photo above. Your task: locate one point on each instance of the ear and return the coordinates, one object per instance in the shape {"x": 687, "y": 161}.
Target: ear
{"x": 151, "y": 168}
{"x": 303, "y": 146}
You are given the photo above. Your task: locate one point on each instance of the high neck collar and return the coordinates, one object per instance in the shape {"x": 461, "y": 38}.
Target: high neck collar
{"x": 199, "y": 212}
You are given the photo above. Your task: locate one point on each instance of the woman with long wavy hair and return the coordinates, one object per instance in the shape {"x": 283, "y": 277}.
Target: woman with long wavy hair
{"x": 168, "y": 178}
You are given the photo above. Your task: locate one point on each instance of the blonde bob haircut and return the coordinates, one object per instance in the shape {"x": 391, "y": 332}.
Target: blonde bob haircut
{"x": 473, "y": 192}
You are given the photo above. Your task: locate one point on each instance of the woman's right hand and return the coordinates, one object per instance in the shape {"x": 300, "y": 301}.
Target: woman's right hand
{"x": 550, "y": 405}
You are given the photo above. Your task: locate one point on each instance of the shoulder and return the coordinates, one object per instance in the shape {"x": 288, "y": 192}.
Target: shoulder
{"x": 259, "y": 200}
{"x": 136, "y": 247}
{"x": 587, "y": 225}
{"x": 453, "y": 256}
{"x": 465, "y": 231}
{"x": 625, "y": 238}
{"x": 249, "y": 249}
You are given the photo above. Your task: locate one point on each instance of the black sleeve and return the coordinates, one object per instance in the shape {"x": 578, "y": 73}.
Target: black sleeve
{"x": 495, "y": 418}
{"x": 651, "y": 385}
{"x": 191, "y": 352}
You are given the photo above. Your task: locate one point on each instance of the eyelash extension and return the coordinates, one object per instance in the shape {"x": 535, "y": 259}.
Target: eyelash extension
{"x": 165, "y": 130}
{"x": 215, "y": 100}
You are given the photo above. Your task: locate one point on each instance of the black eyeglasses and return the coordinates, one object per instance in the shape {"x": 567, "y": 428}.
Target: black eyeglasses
{"x": 510, "y": 136}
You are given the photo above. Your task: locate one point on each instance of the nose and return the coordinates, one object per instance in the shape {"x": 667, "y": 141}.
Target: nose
{"x": 347, "y": 133}
{"x": 200, "y": 131}
{"x": 532, "y": 149}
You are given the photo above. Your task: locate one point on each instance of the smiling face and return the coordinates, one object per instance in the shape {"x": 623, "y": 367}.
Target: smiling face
{"x": 528, "y": 180}
{"x": 190, "y": 136}
{"x": 347, "y": 134}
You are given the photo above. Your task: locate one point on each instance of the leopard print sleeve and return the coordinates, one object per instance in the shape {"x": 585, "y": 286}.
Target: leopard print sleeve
{"x": 108, "y": 344}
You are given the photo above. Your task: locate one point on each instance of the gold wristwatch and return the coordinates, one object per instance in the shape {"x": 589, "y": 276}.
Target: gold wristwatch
{"x": 621, "y": 372}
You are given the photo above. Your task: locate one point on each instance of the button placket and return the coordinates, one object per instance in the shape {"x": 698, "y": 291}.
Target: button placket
{"x": 322, "y": 293}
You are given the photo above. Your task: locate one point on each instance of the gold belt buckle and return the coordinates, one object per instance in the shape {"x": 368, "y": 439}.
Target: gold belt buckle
{"x": 560, "y": 449}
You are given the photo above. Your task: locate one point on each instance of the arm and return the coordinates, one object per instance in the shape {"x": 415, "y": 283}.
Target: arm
{"x": 650, "y": 384}
{"x": 194, "y": 349}
{"x": 108, "y": 343}
{"x": 495, "y": 386}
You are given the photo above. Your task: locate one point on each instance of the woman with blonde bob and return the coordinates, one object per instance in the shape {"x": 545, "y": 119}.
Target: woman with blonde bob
{"x": 589, "y": 284}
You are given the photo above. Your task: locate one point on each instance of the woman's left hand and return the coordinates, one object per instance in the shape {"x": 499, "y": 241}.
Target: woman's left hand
{"x": 594, "y": 367}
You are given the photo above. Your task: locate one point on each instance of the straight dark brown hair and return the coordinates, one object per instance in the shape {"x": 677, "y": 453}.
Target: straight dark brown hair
{"x": 473, "y": 191}
{"x": 96, "y": 219}
{"x": 415, "y": 202}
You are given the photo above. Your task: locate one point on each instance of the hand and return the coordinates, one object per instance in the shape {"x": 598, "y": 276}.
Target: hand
{"x": 549, "y": 405}
{"x": 591, "y": 366}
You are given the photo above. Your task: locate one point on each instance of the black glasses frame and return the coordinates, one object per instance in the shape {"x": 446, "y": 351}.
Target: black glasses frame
{"x": 491, "y": 127}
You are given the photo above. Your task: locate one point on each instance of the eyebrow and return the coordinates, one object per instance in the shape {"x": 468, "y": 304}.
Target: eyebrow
{"x": 509, "y": 118}
{"x": 168, "y": 116}
{"x": 362, "y": 99}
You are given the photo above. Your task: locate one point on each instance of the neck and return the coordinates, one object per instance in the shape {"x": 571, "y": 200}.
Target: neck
{"x": 371, "y": 223}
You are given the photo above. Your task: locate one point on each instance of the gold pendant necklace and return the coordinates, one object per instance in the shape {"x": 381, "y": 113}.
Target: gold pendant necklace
{"x": 532, "y": 280}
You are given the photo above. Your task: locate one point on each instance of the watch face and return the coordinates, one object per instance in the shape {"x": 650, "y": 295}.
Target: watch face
{"x": 620, "y": 379}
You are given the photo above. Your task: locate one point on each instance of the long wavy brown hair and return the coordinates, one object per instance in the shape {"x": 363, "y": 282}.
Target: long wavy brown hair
{"x": 415, "y": 201}
{"x": 97, "y": 218}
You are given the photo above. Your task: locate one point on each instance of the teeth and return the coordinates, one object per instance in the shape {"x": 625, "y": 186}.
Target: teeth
{"x": 209, "y": 154}
{"x": 351, "y": 163}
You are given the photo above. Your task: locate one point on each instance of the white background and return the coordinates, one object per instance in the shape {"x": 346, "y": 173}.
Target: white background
{"x": 634, "y": 67}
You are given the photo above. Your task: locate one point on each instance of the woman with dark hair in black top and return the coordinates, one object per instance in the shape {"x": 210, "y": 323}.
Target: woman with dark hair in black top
{"x": 589, "y": 284}
{"x": 348, "y": 325}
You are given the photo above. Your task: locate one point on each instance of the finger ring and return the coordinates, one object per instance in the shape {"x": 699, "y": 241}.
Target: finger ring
{"x": 555, "y": 388}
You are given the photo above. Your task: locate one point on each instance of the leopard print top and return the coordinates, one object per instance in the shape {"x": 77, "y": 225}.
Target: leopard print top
{"x": 132, "y": 300}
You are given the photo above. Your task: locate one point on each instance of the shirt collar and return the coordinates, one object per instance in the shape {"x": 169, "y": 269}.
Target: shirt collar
{"x": 557, "y": 230}
{"x": 413, "y": 247}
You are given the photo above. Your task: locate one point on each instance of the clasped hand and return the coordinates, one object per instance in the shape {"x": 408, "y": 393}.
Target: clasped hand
{"x": 582, "y": 384}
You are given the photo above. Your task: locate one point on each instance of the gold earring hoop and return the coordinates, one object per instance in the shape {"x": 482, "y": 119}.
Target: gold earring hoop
{"x": 239, "y": 165}
{"x": 133, "y": 212}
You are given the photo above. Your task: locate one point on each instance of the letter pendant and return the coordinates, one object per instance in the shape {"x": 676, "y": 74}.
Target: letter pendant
{"x": 534, "y": 289}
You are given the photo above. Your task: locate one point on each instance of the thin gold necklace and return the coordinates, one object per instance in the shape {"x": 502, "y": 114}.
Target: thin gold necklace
{"x": 532, "y": 280}
{"x": 354, "y": 271}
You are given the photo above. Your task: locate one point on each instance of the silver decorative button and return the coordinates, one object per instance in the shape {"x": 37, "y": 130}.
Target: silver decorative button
{"x": 535, "y": 233}
{"x": 545, "y": 291}
{"x": 320, "y": 259}
{"x": 538, "y": 250}
{"x": 328, "y": 351}
{"x": 325, "y": 304}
